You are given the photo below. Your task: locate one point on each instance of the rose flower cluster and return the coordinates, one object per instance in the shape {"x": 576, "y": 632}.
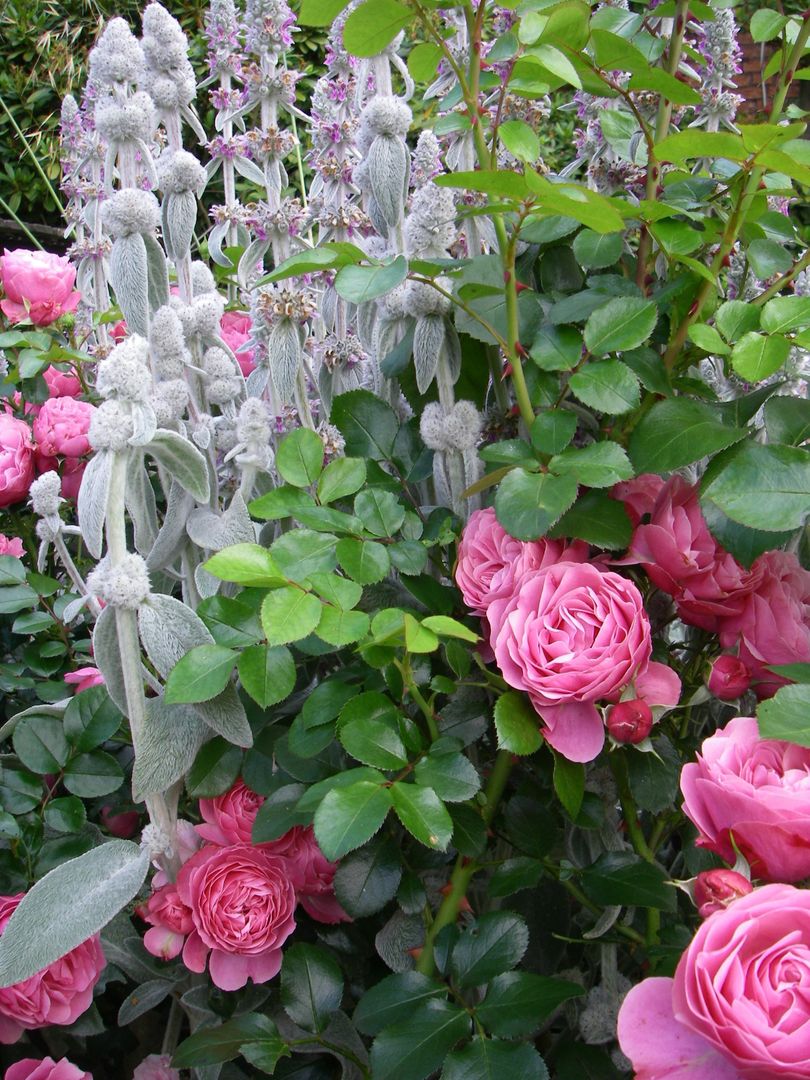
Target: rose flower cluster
{"x": 233, "y": 904}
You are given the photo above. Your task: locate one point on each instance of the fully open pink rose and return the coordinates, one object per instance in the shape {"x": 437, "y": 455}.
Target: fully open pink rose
{"x": 311, "y": 873}
{"x": 61, "y": 427}
{"x": 156, "y": 1067}
{"x": 235, "y": 328}
{"x": 45, "y": 1069}
{"x": 11, "y": 546}
{"x": 229, "y": 818}
{"x": 772, "y": 624}
{"x": 572, "y": 635}
{"x": 61, "y": 383}
{"x": 57, "y": 995}
{"x": 683, "y": 559}
{"x": 38, "y": 286}
{"x": 242, "y": 904}
{"x": 16, "y": 459}
{"x": 490, "y": 561}
{"x": 757, "y": 790}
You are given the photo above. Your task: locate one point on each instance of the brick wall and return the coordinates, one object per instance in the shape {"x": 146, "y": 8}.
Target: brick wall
{"x": 749, "y": 81}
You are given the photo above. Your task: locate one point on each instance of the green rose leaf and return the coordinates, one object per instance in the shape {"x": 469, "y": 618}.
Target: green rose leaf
{"x": 621, "y": 877}
{"x": 598, "y": 465}
{"x": 621, "y": 324}
{"x": 764, "y": 487}
{"x": 299, "y": 458}
{"x": 414, "y": 1048}
{"x": 200, "y": 675}
{"x": 517, "y": 724}
{"x": 756, "y": 356}
{"x": 786, "y": 715}
{"x": 491, "y": 945}
{"x": 340, "y": 478}
{"x": 528, "y": 504}
{"x": 245, "y": 564}
{"x": 348, "y": 817}
{"x": 369, "y": 878}
{"x": 311, "y": 986}
{"x": 518, "y": 1002}
{"x": 289, "y": 614}
{"x": 487, "y": 1059}
{"x": 423, "y": 814}
{"x": 267, "y": 673}
{"x": 608, "y": 386}
{"x": 212, "y": 1046}
{"x": 677, "y": 432}
{"x": 393, "y": 997}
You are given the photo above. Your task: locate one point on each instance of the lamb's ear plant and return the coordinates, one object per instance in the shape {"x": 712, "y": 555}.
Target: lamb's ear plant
{"x": 266, "y": 537}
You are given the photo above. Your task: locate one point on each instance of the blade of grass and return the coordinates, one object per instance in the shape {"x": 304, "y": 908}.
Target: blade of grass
{"x": 33, "y": 156}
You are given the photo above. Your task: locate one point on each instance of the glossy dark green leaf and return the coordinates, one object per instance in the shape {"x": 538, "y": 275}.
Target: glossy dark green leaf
{"x": 200, "y": 675}
{"x": 40, "y": 744}
{"x": 299, "y": 458}
{"x": 608, "y": 386}
{"x": 215, "y": 768}
{"x": 786, "y": 715}
{"x": 621, "y": 877}
{"x": 451, "y": 775}
{"x": 267, "y": 673}
{"x": 311, "y": 985}
{"x": 211, "y": 1046}
{"x": 764, "y": 487}
{"x": 494, "y": 1059}
{"x": 367, "y": 879}
{"x": 517, "y": 724}
{"x": 368, "y": 425}
{"x": 677, "y": 432}
{"x": 423, "y": 814}
{"x": 92, "y": 775}
{"x": 528, "y": 504}
{"x": 365, "y": 561}
{"x": 491, "y": 945}
{"x": 394, "y": 998}
{"x": 348, "y": 817}
{"x": 414, "y": 1047}
{"x": 289, "y": 614}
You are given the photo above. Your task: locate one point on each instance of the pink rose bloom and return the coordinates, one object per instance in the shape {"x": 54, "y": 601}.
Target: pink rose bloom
{"x": 38, "y": 286}
{"x": 729, "y": 678}
{"x": 311, "y": 873}
{"x": 772, "y": 625}
{"x": 45, "y": 1069}
{"x": 716, "y": 889}
{"x": 61, "y": 427}
{"x": 72, "y": 471}
{"x": 119, "y": 331}
{"x": 682, "y": 558}
{"x": 739, "y": 1005}
{"x": 61, "y": 383}
{"x": 229, "y": 818}
{"x": 11, "y": 546}
{"x": 491, "y": 562}
{"x": 57, "y": 995}
{"x": 638, "y": 494}
{"x": 757, "y": 790}
{"x": 83, "y": 678}
{"x": 156, "y": 1067}
{"x": 235, "y": 328}
{"x": 242, "y": 904}
{"x": 573, "y": 635}
{"x": 170, "y": 920}
{"x": 16, "y": 459}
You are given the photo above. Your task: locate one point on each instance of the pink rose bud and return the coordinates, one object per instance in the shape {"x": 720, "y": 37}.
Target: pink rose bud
{"x": 630, "y": 721}
{"x": 123, "y": 825}
{"x": 728, "y": 678}
{"x": 716, "y": 889}
{"x": 38, "y": 286}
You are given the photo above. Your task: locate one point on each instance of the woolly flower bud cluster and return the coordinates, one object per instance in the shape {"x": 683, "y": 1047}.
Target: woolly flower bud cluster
{"x": 275, "y": 302}
{"x": 223, "y": 383}
{"x": 131, "y": 211}
{"x": 202, "y": 316}
{"x": 125, "y": 374}
{"x": 45, "y": 495}
{"x": 124, "y": 585}
{"x": 426, "y": 161}
{"x": 421, "y": 299}
{"x": 167, "y": 344}
{"x": 720, "y": 49}
{"x": 126, "y": 121}
{"x": 169, "y": 77}
{"x": 458, "y": 428}
{"x": 202, "y": 280}
{"x": 386, "y": 116}
{"x": 180, "y": 171}
{"x": 169, "y": 401}
{"x": 222, "y": 34}
{"x": 430, "y": 228}
{"x": 117, "y": 57}
{"x": 253, "y": 435}
{"x": 268, "y": 27}
{"x": 111, "y": 426}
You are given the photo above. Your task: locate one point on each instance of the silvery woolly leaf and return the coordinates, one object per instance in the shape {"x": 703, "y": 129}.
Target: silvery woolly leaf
{"x": 92, "y": 502}
{"x": 179, "y": 216}
{"x": 170, "y": 738}
{"x": 428, "y": 342}
{"x": 213, "y": 532}
{"x": 326, "y": 380}
{"x": 129, "y": 277}
{"x": 68, "y": 906}
{"x": 225, "y": 715}
{"x": 284, "y": 354}
{"x": 183, "y": 462}
{"x": 168, "y": 630}
{"x": 257, "y": 381}
{"x": 107, "y": 657}
{"x": 140, "y": 504}
{"x": 207, "y": 584}
{"x": 399, "y": 935}
{"x": 368, "y": 315}
{"x": 158, "y": 284}
{"x": 215, "y": 240}
{"x": 172, "y": 536}
{"x": 73, "y": 609}
{"x": 251, "y": 258}
{"x": 388, "y": 171}
{"x": 250, "y": 170}
{"x": 144, "y": 423}
{"x": 452, "y": 351}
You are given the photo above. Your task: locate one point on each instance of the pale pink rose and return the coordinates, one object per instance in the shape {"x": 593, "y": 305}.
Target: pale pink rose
{"x": 716, "y": 889}
{"x": 61, "y": 427}
{"x": 83, "y": 678}
{"x": 170, "y": 920}
{"x": 772, "y": 624}
{"x": 228, "y": 818}
{"x": 660, "y": 1047}
{"x": 156, "y": 1067}
{"x": 61, "y": 383}
{"x": 16, "y": 459}
{"x": 11, "y": 546}
{"x": 572, "y": 635}
{"x": 57, "y": 995}
{"x": 38, "y": 286}
{"x": 311, "y": 873}
{"x": 242, "y": 903}
{"x": 491, "y": 562}
{"x": 45, "y": 1069}
{"x": 235, "y": 328}
{"x": 756, "y": 791}
{"x": 682, "y": 558}
{"x": 638, "y": 494}
{"x": 743, "y": 984}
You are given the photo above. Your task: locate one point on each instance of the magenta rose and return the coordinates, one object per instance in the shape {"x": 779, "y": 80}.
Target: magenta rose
{"x": 235, "y": 328}
{"x": 682, "y": 558}
{"x": 38, "y": 286}
{"x": 739, "y": 1005}
{"x": 11, "y": 546}
{"x": 242, "y": 904}
{"x": 772, "y": 624}
{"x": 45, "y": 1069}
{"x": 716, "y": 889}
{"x": 83, "y": 678}
{"x": 59, "y": 994}
{"x": 491, "y": 562}
{"x": 311, "y": 873}
{"x": 573, "y": 635}
{"x": 229, "y": 818}
{"x": 61, "y": 427}
{"x": 156, "y": 1067}
{"x": 16, "y": 459}
{"x": 61, "y": 383}
{"x": 756, "y": 790}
